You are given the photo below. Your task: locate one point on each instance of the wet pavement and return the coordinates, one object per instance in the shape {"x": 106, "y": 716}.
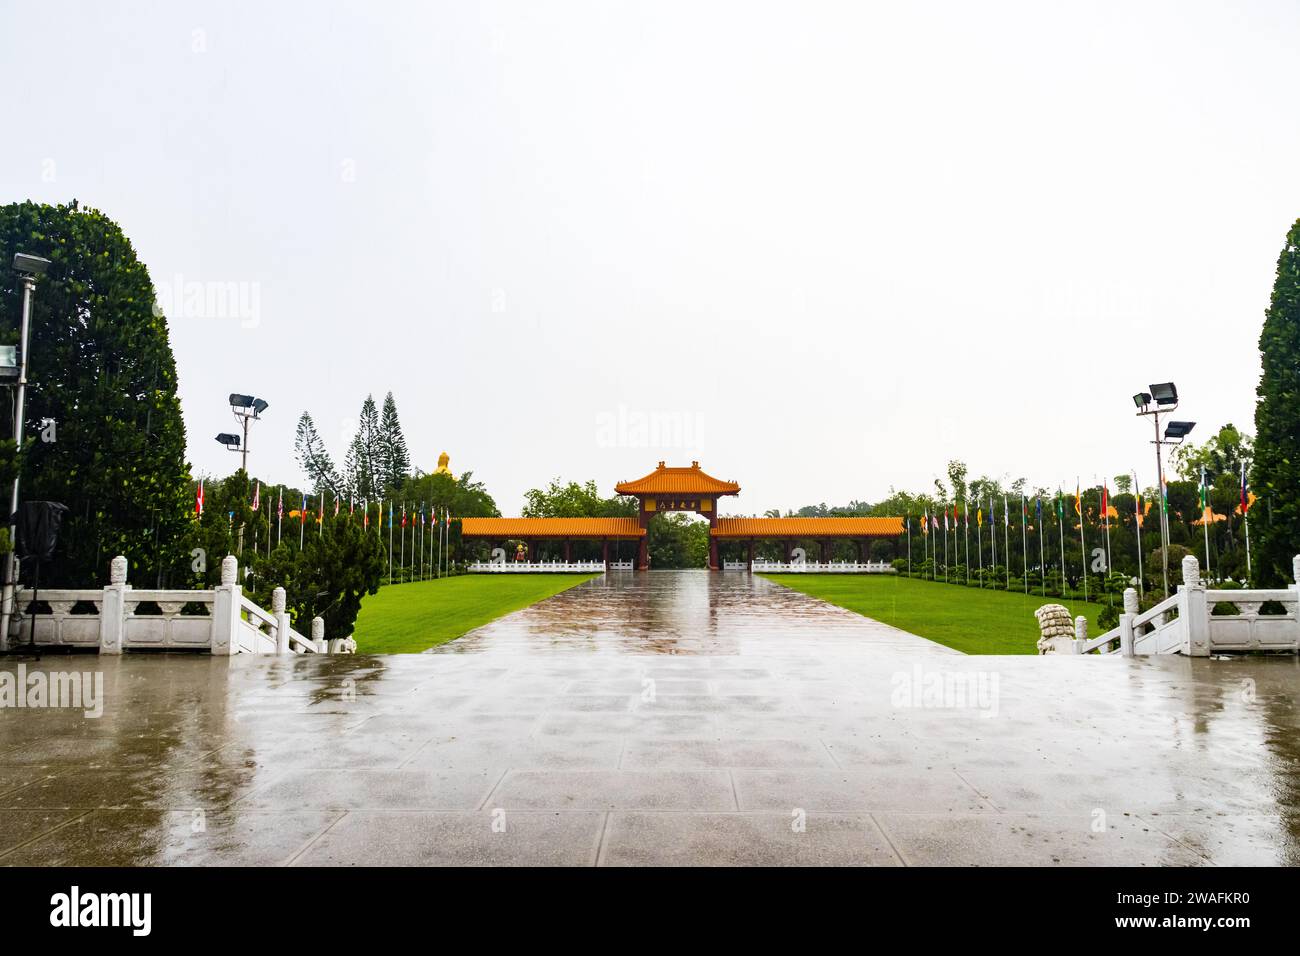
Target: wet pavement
{"x": 660, "y": 718}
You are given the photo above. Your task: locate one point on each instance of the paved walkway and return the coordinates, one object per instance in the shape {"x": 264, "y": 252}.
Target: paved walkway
{"x": 662, "y": 718}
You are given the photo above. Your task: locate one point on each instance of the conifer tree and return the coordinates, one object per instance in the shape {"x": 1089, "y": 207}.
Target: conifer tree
{"x": 395, "y": 456}
{"x": 1275, "y": 527}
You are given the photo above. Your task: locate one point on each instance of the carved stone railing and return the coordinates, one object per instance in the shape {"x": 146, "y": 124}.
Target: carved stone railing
{"x": 536, "y": 567}
{"x": 221, "y": 621}
{"x": 832, "y": 567}
{"x": 1186, "y": 622}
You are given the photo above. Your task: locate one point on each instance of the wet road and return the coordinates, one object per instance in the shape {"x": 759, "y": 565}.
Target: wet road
{"x": 670, "y": 717}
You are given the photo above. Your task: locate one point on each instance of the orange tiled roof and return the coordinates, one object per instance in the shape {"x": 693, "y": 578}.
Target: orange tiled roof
{"x": 806, "y": 527}
{"x": 678, "y": 481}
{"x": 550, "y": 528}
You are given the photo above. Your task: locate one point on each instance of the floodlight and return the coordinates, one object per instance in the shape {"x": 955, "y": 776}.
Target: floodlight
{"x": 229, "y": 440}
{"x": 32, "y": 265}
{"x": 260, "y": 405}
{"x": 1142, "y": 399}
{"x": 1179, "y": 430}
{"x": 238, "y": 401}
{"x": 1165, "y": 393}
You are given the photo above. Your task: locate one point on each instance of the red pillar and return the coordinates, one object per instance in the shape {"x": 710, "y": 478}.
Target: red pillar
{"x": 567, "y": 550}
{"x": 751, "y": 554}
{"x": 713, "y": 554}
{"x": 826, "y": 550}
{"x": 642, "y": 555}
{"x": 604, "y": 552}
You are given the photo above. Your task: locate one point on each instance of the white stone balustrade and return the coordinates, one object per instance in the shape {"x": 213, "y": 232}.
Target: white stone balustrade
{"x": 221, "y": 621}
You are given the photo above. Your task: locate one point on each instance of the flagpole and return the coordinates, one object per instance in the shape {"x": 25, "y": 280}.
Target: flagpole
{"x": 1206, "y": 511}
{"x": 965, "y": 535}
{"x": 1006, "y": 536}
{"x": 1024, "y": 539}
{"x": 439, "y": 520}
{"x": 1137, "y": 530}
{"x": 279, "y": 520}
{"x": 907, "y": 523}
{"x": 1105, "y": 514}
{"x": 1042, "y": 546}
{"x": 1245, "y": 514}
{"x": 1083, "y": 548}
{"x": 1060, "y": 521}
{"x": 390, "y": 542}
{"x": 993, "y": 537}
{"x": 979, "y": 541}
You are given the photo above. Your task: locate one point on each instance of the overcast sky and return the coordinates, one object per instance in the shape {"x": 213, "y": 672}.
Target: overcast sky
{"x": 822, "y": 248}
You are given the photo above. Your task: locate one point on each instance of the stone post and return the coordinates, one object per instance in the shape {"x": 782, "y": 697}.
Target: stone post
{"x": 281, "y": 621}
{"x": 1080, "y": 633}
{"x": 225, "y": 609}
{"x": 318, "y": 634}
{"x": 112, "y": 610}
{"x": 1192, "y": 610}
{"x": 1127, "y": 629}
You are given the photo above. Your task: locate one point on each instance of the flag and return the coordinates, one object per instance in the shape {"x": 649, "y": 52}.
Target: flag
{"x": 1245, "y": 494}
{"x": 1105, "y": 501}
{"x": 1006, "y": 512}
{"x": 945, "y": 520}
{"x": 257, "y": 496}
{"x": 336, "y": 506}
{"x": 365, "y": 514}
{"x": 1038, "y": 508}
{"x": 1078, "y": 500}
{"x": 1060, "y": 504}
{"x": 403, "y": 514}
{"x": 1206, "y": 513}
{"x": 925, "y": 523}
{"x": 390, "y": 516}
{"x": 979, "y": 517}
{"x": 1137, "y": 502}
{"x": 1164, "y": 494}
{"x": 280, "y": 509}
{"x": 198, "y": 500}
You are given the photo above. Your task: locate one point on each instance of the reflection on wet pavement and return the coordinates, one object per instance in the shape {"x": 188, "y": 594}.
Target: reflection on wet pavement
{"x": 668, "y": 717}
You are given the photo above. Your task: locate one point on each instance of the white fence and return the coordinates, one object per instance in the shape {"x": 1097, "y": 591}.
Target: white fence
{"x": 538, "y": 567}
{"x": 221, "y": 621}
{"x": 812, "y": 567}
{"x": 622, "y": 566}
{"x": 1186, "y": 622}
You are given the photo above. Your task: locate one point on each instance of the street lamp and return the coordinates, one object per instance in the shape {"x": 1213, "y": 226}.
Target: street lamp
{"x": 28, "y": 267}
{"x": 246, "y": 409}
{"x": 1165, "y": 399}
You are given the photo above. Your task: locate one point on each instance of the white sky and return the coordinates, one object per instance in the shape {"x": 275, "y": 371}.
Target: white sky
{"x": 831, "y": 245}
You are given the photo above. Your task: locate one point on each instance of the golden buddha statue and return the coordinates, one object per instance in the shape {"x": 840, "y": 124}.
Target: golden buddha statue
{"x": 443, "y": 461}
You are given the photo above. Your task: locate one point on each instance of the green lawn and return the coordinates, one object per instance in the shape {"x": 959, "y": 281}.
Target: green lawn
{"x": 409, "y": 618}
{"x": 968, "y": 619}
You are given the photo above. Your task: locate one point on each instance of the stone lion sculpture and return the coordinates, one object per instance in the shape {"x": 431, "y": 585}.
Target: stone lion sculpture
{"x": 1056, "y": 629}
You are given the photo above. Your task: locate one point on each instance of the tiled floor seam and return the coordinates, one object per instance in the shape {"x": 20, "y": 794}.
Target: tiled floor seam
{"x": 44, "y": 833}
{"x": 293, "y": 858}
{"x": 885, "y": 833}
{"x": 492, "y": 791}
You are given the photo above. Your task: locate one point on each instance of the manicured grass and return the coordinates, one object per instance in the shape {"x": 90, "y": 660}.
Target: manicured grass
{"x": 971, "y": 620}
{"x": 409, "y": 618}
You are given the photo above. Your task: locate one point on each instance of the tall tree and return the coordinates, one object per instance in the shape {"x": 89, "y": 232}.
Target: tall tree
{"x": 102, "y": 372}
{"x": 1277, "y": 422}
{"x": 362, "y": 465}
{"x": 396, "y": 459}
{"x": 313, "y": 459}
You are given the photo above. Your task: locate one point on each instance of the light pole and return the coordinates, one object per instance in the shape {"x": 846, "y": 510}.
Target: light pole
{"x": 1165, "y": 398}
{"x": 246, "y": 408}
{"x": 28, "y": 268}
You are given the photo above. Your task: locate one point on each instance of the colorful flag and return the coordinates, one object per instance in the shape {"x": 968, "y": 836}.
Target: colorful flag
{"x": 1245, "y": 493}
{"x": 403, "y": 514}
{"x": 1078, "y": 500}
{"x": 925, "y": 523}
{"x": 1206, "y": 513}
{"x": 365, "y": 514}
{"x": 979, "y": 517}
{"x": 280, "y": 509}
{"x": 257, "y": 496}
{"x": 198, "y": 501}
{"x": 336, "y": 506}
